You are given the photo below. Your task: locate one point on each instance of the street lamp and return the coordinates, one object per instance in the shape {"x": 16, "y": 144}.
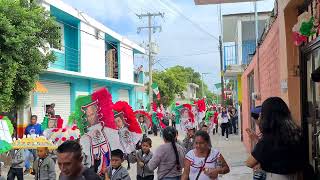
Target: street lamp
{"x": 202, "y": 89}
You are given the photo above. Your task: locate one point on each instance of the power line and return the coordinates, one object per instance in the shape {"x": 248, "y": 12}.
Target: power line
{"x": 161, "y": 65}
{"x": 189, "y": 20}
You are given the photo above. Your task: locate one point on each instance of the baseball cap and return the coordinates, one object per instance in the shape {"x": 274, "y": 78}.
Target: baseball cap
{"x": 255, "y": 112}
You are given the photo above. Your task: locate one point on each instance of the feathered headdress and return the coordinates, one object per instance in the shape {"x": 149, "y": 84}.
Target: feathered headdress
{"x": 101, "y": 100}
{"x": 146, "y": 116}
{"x": 123, "y": 108}
{"x": 201, "y": 105}
{"x": 180, "y": 108}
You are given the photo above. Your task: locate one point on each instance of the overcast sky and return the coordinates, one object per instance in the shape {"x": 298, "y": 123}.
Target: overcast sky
{"x": 180, "y": 41}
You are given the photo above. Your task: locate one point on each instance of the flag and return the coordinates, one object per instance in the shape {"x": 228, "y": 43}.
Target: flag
{"x": 156, "y": 91}
{"x": 218, "y": 85}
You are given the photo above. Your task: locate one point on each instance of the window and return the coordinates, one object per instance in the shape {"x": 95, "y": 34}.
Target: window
{"x": 61, "y": 39}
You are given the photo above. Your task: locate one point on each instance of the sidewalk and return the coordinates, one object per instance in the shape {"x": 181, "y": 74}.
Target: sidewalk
{"x": 235, "y": 155}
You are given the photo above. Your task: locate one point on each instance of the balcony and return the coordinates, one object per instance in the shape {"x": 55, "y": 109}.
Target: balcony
{"x": 66, "y": 59}
{"x": 233, "y": 65}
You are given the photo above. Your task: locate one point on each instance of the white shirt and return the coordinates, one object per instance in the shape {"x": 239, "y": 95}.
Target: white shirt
{"x": 224, "y": 119}
{"x": 197, "y": 163}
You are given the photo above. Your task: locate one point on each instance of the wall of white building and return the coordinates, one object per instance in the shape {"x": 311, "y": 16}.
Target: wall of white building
{"x": 92, "y": 52}
{"x": 126, "y": 64}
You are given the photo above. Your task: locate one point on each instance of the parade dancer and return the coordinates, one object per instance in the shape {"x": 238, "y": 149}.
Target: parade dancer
{"x": 96, "y": 124}
{"x": 129, "y": 130}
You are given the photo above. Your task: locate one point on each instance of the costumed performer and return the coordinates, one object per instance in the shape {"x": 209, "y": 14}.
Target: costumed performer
{"x": 95, "y": 121}
{"x": 184, "y": 116}
{"x": 129, "y": 130}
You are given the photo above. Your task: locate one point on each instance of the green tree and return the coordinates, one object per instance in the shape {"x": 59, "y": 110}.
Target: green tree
{"x": 171, "y": 83}
{"x": 174, "y": 81}
{"x": 26, "y": 31}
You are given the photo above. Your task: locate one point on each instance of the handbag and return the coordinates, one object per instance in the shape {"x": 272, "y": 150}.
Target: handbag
{"x": 205, "y": 160}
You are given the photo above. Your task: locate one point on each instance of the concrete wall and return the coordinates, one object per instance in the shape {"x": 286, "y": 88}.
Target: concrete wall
{"x": 92, "y": 52}
{"x": 266, "y": 76}
{"x": 126, "y": 64}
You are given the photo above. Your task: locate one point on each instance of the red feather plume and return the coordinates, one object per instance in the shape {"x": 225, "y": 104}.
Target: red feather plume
{"x": 201, "y": 105}
{"x": 105, "y": 104}
{"x": 154, "y": 107}
{"x": 160, "y": 117}
{"x": 191, "y": 115}
{"x": 122, "y": 106}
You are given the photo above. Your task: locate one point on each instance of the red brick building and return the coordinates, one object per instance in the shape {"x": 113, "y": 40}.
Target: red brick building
{"x": 263, "y": 75}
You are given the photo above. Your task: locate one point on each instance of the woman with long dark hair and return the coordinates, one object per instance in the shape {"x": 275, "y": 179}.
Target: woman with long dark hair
{"x": 204, "y": 162}
{"x": 168, "y": 157}
{"x": 279, "y": 152}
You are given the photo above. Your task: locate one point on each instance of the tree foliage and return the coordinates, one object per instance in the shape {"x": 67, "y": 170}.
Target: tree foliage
{"x": 26, "y": 31}
{"x": 174, "y": 81}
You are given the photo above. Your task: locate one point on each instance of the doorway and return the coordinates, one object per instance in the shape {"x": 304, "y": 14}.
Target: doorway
{"x": 310, "y": 98}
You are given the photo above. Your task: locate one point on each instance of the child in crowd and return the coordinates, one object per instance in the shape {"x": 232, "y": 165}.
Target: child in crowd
{"x": 142, "y": 158}
{"x": 117, "y": 171}
{"x": 143, "y": 126}
{"x": 44, "y": 166}
{"x": 16, "y": 168}
{"x": 205, "y": 128}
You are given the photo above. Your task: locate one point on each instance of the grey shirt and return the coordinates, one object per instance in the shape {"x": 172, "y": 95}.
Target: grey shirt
{"x": 17, "y": 158}
{"x": 44, "y": 169}
{"x": 164, "y": 159}
{"x": 145, "y": 158}
{"x": 119, "y": 174}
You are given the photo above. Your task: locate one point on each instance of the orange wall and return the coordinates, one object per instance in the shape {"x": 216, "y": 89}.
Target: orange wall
{"x": 268, "y": 81}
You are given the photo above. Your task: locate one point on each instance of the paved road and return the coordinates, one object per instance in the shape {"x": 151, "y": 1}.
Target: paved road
{"x": 233, "y": 151}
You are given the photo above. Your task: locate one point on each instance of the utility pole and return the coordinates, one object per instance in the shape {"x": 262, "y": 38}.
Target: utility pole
{"x": 150, "y": 53}
{"x": 221, "y": 71}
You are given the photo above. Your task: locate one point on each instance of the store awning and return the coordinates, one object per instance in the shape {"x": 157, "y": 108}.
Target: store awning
{"x": 40, "y": 88}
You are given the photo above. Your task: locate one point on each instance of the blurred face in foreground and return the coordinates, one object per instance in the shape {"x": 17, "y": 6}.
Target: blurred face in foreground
{"x": 201, "y": 145}
{"x": 69, "y": 164}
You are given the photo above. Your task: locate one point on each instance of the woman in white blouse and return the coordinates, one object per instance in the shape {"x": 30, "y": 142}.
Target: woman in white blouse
{"x": 204, "y": 162}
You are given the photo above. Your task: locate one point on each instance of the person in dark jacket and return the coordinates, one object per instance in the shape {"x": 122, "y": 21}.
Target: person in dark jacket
{"x": 70, "y": 163}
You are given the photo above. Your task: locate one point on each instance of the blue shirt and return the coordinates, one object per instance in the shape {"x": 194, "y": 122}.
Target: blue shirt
{"x": 33, "y": 129}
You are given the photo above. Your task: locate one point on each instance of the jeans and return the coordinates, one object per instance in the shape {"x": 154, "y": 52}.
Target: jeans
{"x": 234, "y": 122}
{"x": 15, "y": 172}
{"x": 28, "y": 154}
{"x": 225, "y": 129}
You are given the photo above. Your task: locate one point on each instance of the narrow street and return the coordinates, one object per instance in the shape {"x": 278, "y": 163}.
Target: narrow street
{"x": 233, "y": 151}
